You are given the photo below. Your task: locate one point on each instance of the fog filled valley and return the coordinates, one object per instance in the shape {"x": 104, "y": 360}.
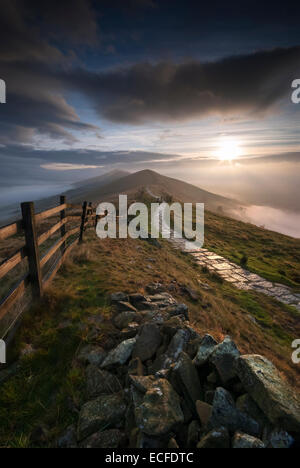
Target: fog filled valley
{"x": 266, "y": 191}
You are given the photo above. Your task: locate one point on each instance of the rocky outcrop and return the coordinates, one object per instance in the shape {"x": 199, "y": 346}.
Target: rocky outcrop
{"x": 267, "y": 388}
{"x": 159, "y": 384}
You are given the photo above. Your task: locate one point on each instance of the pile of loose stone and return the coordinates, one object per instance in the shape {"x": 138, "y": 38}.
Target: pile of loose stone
{"x": 165, "y": 386}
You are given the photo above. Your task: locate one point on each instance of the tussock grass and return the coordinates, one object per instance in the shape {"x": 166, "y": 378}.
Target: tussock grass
{"x": 43, "y": 398}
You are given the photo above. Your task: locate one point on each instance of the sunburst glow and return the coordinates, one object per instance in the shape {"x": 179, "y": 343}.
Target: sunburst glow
{"x": 229, "y": 150}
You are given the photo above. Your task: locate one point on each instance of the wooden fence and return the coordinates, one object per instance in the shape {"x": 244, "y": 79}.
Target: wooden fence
{"x": 27, "y": 227}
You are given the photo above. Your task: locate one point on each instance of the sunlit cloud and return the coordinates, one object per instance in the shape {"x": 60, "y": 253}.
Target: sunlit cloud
{"x": 67, "y": 167}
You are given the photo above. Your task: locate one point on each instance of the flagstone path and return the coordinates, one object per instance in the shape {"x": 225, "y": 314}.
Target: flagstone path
{"x": 229, "y": 271}
{"x": 238, "y": 276}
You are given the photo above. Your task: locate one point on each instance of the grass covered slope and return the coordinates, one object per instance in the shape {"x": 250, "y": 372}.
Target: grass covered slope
{"x": 43, "y": 397}
{"x": 274, "y": 256}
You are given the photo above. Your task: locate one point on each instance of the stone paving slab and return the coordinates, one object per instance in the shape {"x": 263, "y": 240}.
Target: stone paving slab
{"x": 238, "y": 276}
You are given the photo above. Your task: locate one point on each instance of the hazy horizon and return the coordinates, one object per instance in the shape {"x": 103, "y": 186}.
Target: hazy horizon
{"x": 201, "y": 95}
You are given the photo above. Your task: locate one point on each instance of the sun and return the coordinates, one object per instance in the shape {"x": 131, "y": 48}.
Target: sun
{"x": 229, "y": 150}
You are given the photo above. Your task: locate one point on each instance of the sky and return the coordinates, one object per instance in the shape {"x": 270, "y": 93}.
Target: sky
{"x": 196, "y": 90}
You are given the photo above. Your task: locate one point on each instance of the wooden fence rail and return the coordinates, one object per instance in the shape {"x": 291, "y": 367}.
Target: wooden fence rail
{"x": 27, "y": 227}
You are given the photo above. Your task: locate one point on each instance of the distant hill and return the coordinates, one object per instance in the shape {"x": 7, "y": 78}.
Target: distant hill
{"x": 107, "y": 187}
{"x": 161, "y": 185}
{"x": 82, "y": 190}
{"x": 88, "y": 189}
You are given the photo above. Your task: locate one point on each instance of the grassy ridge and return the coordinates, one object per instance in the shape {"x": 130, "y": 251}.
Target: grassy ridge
{"x": 44, "y": 397}
{"x": 272, "y": 255}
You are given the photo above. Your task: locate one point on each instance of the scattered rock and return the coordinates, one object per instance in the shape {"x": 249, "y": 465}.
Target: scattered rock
{"x": 155, "y": 288}
{"x": 120, "y": 354}
{"x": 68, "y": 438}
{"x": 224, "y": 358}
{"x": 225, "y": 413}
{"x": 118, "y": 296}
{"x": 102, "y": 413}
{"x": 99, "y": 381}
{"x": 245, "y": 441}
{"x": 193, "y": 433}
{"x": 275, "y": 398}
{"x": 135, "y": 367}
{"x": 209, "y": 396}
{"x": 247, "y": 405}
{"x": 171, "y": 326}
{"x": 143, "y": 384}
{"x": 178, "y": 344}
{"x": 280, "y": 440}
{"x": 204, "y": 412}
{"x": 137, "y": 299}
{"x": 125, "y": 306}
{"x": 148, "y": 342}
{"x": 173, "y": 444}
{"x": 206, "y": 348}
{"x": 160, "y": 410}
{"x": 180, "y": 309}
{"x": 212, "y": 378}
{"x": 218, "y": 438}
{"x": 187, "y": 380}
{"x": 123, "y": 319}
{"x": 166, "y": 368}
{"x": 191, "y": 293}
{"x": 92, "y": 354}
{"x": 112, "y": 438}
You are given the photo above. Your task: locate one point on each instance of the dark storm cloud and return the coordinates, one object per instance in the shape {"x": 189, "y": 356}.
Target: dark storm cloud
{"x": 29, "y": 64}
{"x": 40, "y": 43}
{"x": 29, "y": 115}
{"x": 166, "y": 91}
{"x": 28, "y": 26}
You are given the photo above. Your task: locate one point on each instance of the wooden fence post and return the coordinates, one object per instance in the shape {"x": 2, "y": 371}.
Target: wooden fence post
{"x": 63, "y": 229}
{"x": 84, "y": 210}
{"x": 35, "y": 273}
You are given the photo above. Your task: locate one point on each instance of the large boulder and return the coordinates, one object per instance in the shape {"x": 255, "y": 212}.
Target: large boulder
{"x": 224, "y": 413}
{"x": 273, "y": 395}
{"x": 245, "y": 441}
{"x": 224, "y": 359}
{"x": 206, "y": 348}
{"x": 160, "y": 410}
{"x": 120, "y": 354}
{"x": 106, "y": 411}
{"x": 99, "y": 381}
{"x": 148, "y": 342}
